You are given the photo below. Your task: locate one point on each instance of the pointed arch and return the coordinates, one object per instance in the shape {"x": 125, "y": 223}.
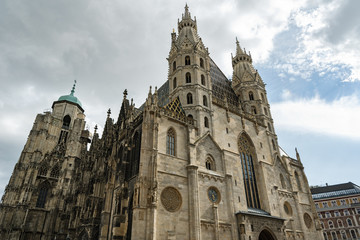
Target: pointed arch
{"x": 174, "y": 83}
{"x": 66, "y": 122}
{"x": 247, "y": 157}
{"x": 43, "y": 190}
{"x": 205, "y": 102}
{"x": 55, "y": 171}
{"x": 189, "y": 98}
{"x": 282, "y": 180}
{"x": 188, "y": 77}
{"x": 43, "y": 170}
{"x": 266, "y": 235}
{"x": 187, "y": 60}
{"x": 174, "y": 65}
{"x": 203, "y": 79}
{"x": 210, "y": 163}
{"x": 201, "y": 63}
{"x": 206, "y": 122}
{"x": 251, "y": 95}
{"x": 170, "y": 141}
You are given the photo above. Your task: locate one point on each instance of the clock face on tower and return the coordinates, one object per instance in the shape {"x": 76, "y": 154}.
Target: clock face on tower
{"x": 213, "y": 195}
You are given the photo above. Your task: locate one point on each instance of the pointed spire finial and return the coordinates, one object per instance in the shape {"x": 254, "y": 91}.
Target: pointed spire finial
{"x": 108, "y": 113}
{"x": 125, "y": 93}
{"x": 238, "y": 48}
{"x": 187, "y": 13}
{"x": 95, "y": 128}
{"x": 73, "y": 88}
{"x": 297, "y": 155}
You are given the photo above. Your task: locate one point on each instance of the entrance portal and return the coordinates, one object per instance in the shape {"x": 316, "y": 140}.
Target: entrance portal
{"x": 266, "y": 235}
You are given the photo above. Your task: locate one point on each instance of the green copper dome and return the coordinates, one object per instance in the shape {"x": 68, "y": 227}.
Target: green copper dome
{"x": 71, "y": 97}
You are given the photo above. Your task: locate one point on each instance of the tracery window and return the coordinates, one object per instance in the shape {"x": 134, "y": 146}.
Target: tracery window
{"x": 187, "y": 60}
{"x": 205, "y": 101}
{"x": 201, "y": 63}
{"x": 55, "y": 172}
{"x": 188, "y": 77}
{"x": 43, "y": 170}
{"x": 170, "y": 142}
{"x": 43, "y": 191}
{"x": 189, "y": 98}
{"x": 247, "y": 156}
{"x": 174, "y": 83}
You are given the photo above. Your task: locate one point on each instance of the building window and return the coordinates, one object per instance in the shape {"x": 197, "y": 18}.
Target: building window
{"x": 201, "y": 63}
{"x": 66, "y": 122}
{"x": 325, "y": 204}
{"x": 337, "y": 214}
{"x": 247, "y": 154}
{"x": 55, "y": 172}
{"x": 317, "y": 205}
{"x": 346, "y": 212}
{"x": 273, "y": 144}
{"x": 333, "y": 203}
{"x": 253, "y": 109}
{"x": 189, "y": 98}
{"x": 358, "y": 210}
{"x": 298, "y": 181}
{"x": 206, "y": 122}
{"x": 210, "y": 164}
{"x": 353, "y": 234}
{"x": 202, "y": 79}
{"x": 174, "y": 65}
{"x": 269, "y": 127}
{"x": 43, "y": 170}
{"x": 322, "y": 225}
{"x": 205, "y": 101}
{"x": 43, "y": 191}
{"x": 349, "y": 222}
{"x": 251, "y": 96}
{"x": 188, "y": 77}
{"x": 333, "y": 234}
{"x": 174, "y": 83}
{"x": 328, "y": 215}
{"x": 340, "y": 223}
{"x": 343, "y": 202}
{"x": 343, "y": 235}
{"x": 319, "y": 215}
{"x": 265, "y": 111}
{"x": 325, "y": 236}
{"x": 187, "y": 60}
{"x": 331, "y": 224}
{"x": 262, "y": 97}
{"x": 355, "y": 200}
{"x": 170, "y": 142}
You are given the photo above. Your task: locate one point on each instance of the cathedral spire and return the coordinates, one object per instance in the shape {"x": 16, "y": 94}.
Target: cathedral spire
{"x": 238, "y": 48}
{"x": 186, "y": 15}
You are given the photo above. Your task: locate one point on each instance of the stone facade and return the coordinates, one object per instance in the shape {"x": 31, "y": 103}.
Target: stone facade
{"x": 198, "y": 160}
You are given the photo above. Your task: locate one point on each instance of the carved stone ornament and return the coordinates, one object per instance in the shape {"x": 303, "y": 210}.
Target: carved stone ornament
{"x": 307, "y": 220}
{"x": 171, "y": 199}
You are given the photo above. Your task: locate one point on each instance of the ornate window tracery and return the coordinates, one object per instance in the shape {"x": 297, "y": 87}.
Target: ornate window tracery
{"x": 170, "y": 142}
{"x": 247, "y": 156}
{"x": 210, "y": 164}
{"x": 55, "y": 172}
{"x": 43, "y": 191}
{"x": 43, "y": 170}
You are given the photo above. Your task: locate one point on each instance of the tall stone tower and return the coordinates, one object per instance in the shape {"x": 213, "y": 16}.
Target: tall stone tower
{"x": 198, "y": 160}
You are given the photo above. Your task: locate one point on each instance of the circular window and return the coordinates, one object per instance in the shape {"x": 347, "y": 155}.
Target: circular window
{"x": 287, "y": 208}
{"x": 214, "y": 195}
{"x": 307, "y": 220}
{"x": 171, "y": 199}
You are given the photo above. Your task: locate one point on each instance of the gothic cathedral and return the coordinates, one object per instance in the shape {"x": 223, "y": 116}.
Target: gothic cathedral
{"x": 198, "y": 160}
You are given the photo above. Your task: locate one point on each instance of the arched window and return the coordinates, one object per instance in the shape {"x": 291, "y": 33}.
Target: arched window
{"x": 247, "y": 156}
{"x": 253, "y": 109}
{"x": 190, "y": 116}
{"x": 298, "y": 181}
{"x": 189, "y": 98}
{"x": 188, "y": 77}
{"x": 202, "y": 79}
{"x": 349, "y": 222}
{"x": 262, "y": 97}
{"x": 55, "y": 172}
{"x": 201, "y": 63}
{"x": 205, "y": 101}
{"x": 174, "y": 65}
{"x": 206, "y": 122}
{"x": 325, "y": 236}
{"x": 43, "y": 170}
{"x": 353, "y": 234}
{"x": 174, "y": 83}
{"x": 343, "y": 235}
{"x": 340, "y": 223}
{"x": 269, "y": 127}
{"x": 43, "y": 191}
{"x": 251, "y": 96}
{"x": 331, "y": 224}
{"x": 265, "y": 111}
{"x": 333, "y": 234}
{"x": 210, "y": 164}
{"x": 187, "y": 60}
{"x": 170, "y": 142}
{"x": 282, "y": 180}
{"x": 66, "y": 122}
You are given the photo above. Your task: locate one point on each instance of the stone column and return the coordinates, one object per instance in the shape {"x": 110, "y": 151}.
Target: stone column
{"x": 216, "y": 221}
{"x": 230, "y": 202}
{"x": 194, "y": 217}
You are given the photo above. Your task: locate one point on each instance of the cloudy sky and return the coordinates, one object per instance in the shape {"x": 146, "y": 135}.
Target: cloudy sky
{"x": 307, "y": 52}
